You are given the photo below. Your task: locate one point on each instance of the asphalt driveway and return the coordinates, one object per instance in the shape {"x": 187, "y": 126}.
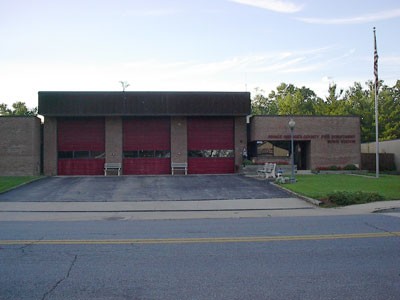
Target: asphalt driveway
{"x": 144, "y": 188}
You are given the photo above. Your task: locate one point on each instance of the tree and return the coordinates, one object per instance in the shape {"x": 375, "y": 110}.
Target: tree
{"x": 360, "y": 102}
{"x": 333, "y": 104}
{"x": 389, "y": 112}
{"x": 4, "y": 110}
{"x": 261, "y": 105}
{"x": 291, "y": 100}
{"x": 357, "y": 100}
{"x": 18, "y": 109}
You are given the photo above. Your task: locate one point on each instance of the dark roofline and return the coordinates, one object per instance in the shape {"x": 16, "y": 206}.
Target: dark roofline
{"x": 144, "y": 103}
{"x": 305, "y": 116}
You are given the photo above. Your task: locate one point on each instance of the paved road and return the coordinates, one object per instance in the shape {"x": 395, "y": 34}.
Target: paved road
{"x": 144, "y": 188}
{"x": 336, "y": 257}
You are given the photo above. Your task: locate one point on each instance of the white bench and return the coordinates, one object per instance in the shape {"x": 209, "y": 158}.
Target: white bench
{"x": 269, "y": 170}
{"x": 179, "y": 166}
{"x": 112, "y": 166}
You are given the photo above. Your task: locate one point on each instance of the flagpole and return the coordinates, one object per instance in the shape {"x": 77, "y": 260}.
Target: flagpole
{"x": 376, "y": 107}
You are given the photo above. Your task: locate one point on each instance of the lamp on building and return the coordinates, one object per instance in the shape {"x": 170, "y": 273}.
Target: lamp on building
{"x": 292, "y": 124}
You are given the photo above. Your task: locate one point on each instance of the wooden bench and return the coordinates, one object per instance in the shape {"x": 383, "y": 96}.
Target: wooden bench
{"x": 178, "y": 166}
{"x": 269, "y": 170}
{"x": 112, "y": 166}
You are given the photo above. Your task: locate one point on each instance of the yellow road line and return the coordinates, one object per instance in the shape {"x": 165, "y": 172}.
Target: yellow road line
{"x": 249, "y": 239}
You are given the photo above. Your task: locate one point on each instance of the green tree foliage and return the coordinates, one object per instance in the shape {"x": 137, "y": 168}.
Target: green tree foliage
{"x": 18, "y": 109}
{"x": 262, "y": 105}
{"x": 389, "y": 112}
{"x": 357, "y": 100}
{"x": 334, "y": 104}
{"x": 360, "y": 102}
{"x": 290, "y": 100}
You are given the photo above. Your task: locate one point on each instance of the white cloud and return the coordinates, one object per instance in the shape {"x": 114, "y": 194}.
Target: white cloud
{"x": 274, "y": 5}
{"x": 379, "y": 16}
{"x": 265, "y": 70}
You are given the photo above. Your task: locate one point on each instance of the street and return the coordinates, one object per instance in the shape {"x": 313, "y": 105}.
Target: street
{"x": 321, "y": 257}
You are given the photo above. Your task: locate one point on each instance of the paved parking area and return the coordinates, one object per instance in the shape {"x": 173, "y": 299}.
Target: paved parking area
{"x": 144, "y": 188}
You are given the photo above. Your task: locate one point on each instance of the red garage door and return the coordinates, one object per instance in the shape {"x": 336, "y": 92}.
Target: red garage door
{"x": 211, "y": 145}
{"x": 146, "y": 146}
{"x": 81, "y": 146}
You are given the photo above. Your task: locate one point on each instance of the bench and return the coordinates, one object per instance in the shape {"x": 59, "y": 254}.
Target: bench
{"x": 112, "y": 166}
{"x": 269, "y": 170}
{"x": 178, "y": 166}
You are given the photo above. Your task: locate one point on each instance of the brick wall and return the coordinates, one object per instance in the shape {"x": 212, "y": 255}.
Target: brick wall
{"x": 50, "y": 146}
{"x": 330, "y": 140}
{"x": 20, "y": 146}
{"x": 240, "y": 140}
{"x": 179, "y": 140}
{"x": 113, "y": 127}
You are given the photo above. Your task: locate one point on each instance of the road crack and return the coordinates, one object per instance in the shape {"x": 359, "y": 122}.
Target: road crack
{"x": 381, "y": 229}
{"x": 62, "y": 279}
{"x": 29, "y": 245}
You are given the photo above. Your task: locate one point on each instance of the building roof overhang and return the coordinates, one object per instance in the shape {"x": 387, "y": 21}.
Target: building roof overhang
{"x": 76, "y": 104}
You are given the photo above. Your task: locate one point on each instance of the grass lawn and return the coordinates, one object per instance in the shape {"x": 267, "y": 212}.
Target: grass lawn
{"x": 319, "y": 186}
{"x": 8, "y": 182}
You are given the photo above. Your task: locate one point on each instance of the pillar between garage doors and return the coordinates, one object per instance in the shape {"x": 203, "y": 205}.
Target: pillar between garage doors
{"x": 179, "y": 139}
{"x": 240, "y": 140}
{"x": 50, "y": 146}
{"x": 113, "y": 139}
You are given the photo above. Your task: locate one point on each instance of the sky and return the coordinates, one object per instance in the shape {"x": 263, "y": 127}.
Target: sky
{"x": 199, "y": 45}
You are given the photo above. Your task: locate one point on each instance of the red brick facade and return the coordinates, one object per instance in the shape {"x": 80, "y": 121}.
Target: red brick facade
{"x": 328, "y": 141}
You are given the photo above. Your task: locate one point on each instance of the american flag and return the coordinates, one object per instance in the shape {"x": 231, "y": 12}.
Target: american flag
{"x": 375, "y": 61}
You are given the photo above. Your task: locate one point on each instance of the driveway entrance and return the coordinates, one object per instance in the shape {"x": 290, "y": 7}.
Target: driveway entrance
{"x": 144, "y": 188}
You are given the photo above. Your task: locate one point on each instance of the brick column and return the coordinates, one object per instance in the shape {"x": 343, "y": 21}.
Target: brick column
{"x": 178, "y": 139}
{"x": 113, "y": 136}
{"x": 50, "y": 146}
{"x": 240, "y": 140}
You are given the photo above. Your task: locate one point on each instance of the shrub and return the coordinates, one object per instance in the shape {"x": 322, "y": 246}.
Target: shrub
{"x": 350, "y": 167}
{"x": 334, "y": 168}
{"x": 349, "y": 198}
{"x": 247, "y": 162}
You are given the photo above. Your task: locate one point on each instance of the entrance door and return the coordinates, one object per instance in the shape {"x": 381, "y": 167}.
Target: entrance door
{"x": 302, "y": 154}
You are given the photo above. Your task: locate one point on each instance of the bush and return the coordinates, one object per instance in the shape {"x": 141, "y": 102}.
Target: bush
{"x": 349, "y": 198}
{"x": 247, "y": 162}
{"x": 350, "y": 167}
{"x": 334, "y": 168}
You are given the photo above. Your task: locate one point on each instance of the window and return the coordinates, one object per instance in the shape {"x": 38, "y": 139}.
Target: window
{"x": 81, "y": 155}
{"x": 273, "y": 148}
{"x": 131, "y": 154}
{"x": 147, "y": 154}
{"x": 211, "y": 153}
{"x": 65, "y": 154}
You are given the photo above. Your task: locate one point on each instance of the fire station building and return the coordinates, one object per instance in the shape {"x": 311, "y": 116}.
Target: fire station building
{"x": 144, "y": 131}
